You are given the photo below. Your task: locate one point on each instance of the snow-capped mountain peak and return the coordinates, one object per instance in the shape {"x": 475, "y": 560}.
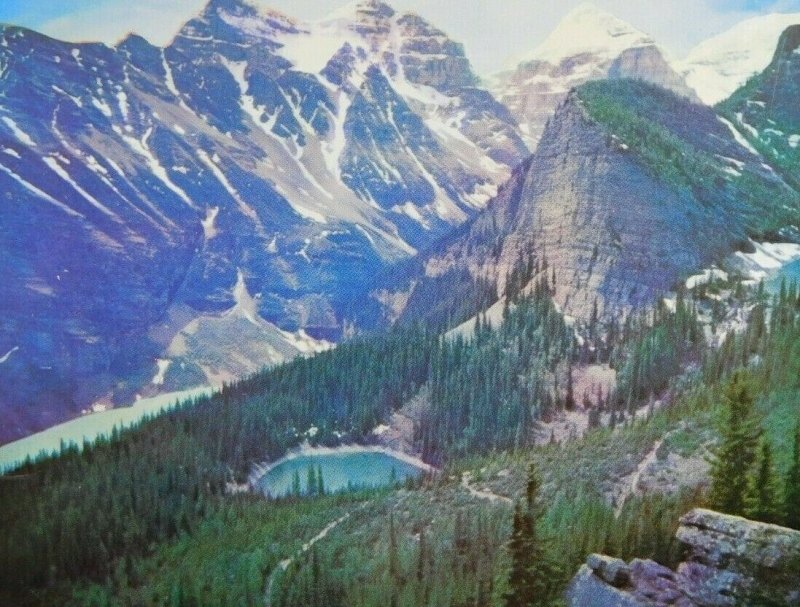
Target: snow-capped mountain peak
{"x": 305, "y": 155}
{"x": 587, "y": 29}
{"x": 588, "y": 44}
{"x": 360, "y": 9}
{"x": 718, "y": 66}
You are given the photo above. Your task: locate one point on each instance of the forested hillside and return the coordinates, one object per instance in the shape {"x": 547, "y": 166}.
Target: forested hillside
{"x": 115, "y": 513}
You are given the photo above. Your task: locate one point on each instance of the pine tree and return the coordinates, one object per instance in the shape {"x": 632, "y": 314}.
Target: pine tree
{"x": 569, "y": 402}
{"x": 791, "y": 492}
{"x": 296, "y": 491}
{"x": 533, "y": 575}
{"x": 762, "y": 502}
{"x": 737, "y": 453}
{"x": 394, "y": 566}
{"x": 320, "y": 481}
{"x": 520, "y": 592}
{"x": 311, "y": 483}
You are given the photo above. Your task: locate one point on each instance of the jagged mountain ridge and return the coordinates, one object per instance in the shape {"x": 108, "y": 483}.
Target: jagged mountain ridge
{"x": 588, "y": 44}
{"x": 631, "y": 189}
{"x": 144, "y": 184}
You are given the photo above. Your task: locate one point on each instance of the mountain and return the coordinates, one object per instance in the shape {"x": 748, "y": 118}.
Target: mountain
{"x": 765, "y": 110}
{"x": 589, "y": 44}
{"x": 631, "y": 189}
{"x": 718, "y": 66}
{"x": 150, "y": 191}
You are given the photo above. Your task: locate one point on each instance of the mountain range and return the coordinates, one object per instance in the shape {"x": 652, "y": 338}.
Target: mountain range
{"x": 452, "y": 338}
{"x": 184, "y": 215}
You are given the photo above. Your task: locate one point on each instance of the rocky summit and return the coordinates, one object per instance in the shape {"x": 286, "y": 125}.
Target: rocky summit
{"x": 729, "y": 561}
{"x": 589, "y": 44}
{"x": 631, "y": 189}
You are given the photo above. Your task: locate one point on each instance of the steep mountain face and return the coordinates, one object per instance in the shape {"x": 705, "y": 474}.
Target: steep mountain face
{"x": 631, "y": 189}
{"x": 253, "y": 173}
{"x": 766, "y": 111}
{"x": 718, "y": 66}
{"x": 589, "y": 44}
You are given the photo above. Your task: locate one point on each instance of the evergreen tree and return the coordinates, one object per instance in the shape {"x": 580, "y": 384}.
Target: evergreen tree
{"x": 762, "y": 502}
{"x": 394, "y": 565}
{"x": 791, "y": 493}
{"x": 533, "y": 576}
{"x": 311, "y": 483}
{"x": 569, "y": 401}
{"x": 320, "y": 481}
{"x": 735, "y": 456}
{"x": 296, "y": 490}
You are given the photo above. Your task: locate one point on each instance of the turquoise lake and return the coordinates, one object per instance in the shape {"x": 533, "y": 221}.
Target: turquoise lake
{"x": 791, "y": 272}
{"x": 89, "y": 428}
{"x": 339, "y": 471}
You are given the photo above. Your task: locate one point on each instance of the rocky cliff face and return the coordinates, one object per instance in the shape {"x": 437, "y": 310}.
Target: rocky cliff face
{"x": 729, "y": 561}
{"x": 589, "y": 44}
{"x": 619, "y": 220}
{"x": 149, "y": 191}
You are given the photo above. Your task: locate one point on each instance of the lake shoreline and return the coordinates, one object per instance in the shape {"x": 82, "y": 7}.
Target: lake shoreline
{"x": 305, "y": 449}
{"x": 92, "y": 427}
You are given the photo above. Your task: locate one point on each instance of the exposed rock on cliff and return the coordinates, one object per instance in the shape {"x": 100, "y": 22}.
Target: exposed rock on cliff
{"x": 730, "y": 561}
{"x": 631, "y": 190}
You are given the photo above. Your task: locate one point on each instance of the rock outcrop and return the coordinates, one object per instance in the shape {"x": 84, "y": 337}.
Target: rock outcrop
{"x": 729, "y": 561}
{"x": 766, "y": 111}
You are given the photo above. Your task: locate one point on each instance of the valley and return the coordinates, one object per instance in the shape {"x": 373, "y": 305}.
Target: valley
{"x": 395, "y": 333}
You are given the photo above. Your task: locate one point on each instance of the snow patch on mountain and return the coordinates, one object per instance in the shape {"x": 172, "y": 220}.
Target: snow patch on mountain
{"x": 163, "y": 366}
{"x": 716, "y": 67}
{"x": 18, "y": 132}
{"x": 766, "y": 259}
{"x": 209, "y": 223}
{"x": 589, "y": 30}
{"x": 737, "y": 135}
{"x": 8, "y": 354}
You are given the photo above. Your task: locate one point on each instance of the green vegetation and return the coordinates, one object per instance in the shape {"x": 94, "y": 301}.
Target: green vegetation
{"x": 737, "y": 453}
{"x": 147, "y": 517}
{"x": 673, "y": 139}
{"x": 72, "y": 517}
{"x": 533, "y": 577}
{"x": 486, "y": 391}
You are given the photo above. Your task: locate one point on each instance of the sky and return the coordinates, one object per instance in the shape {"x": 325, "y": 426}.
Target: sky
{"x": 494, "y": 32}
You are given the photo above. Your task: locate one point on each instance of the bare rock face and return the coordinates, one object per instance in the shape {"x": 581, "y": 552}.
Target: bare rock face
{"x": 730, "y": 561}
{"x": 729, "y": 555}
{"x": 648, "y": 63}
{"x": 619, "y": 221}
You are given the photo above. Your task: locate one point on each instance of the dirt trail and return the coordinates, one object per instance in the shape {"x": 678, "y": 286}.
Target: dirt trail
{"x": 628, "y": 484}
{"x": 286, "y": 563}
{"x": 466, "y": 483}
